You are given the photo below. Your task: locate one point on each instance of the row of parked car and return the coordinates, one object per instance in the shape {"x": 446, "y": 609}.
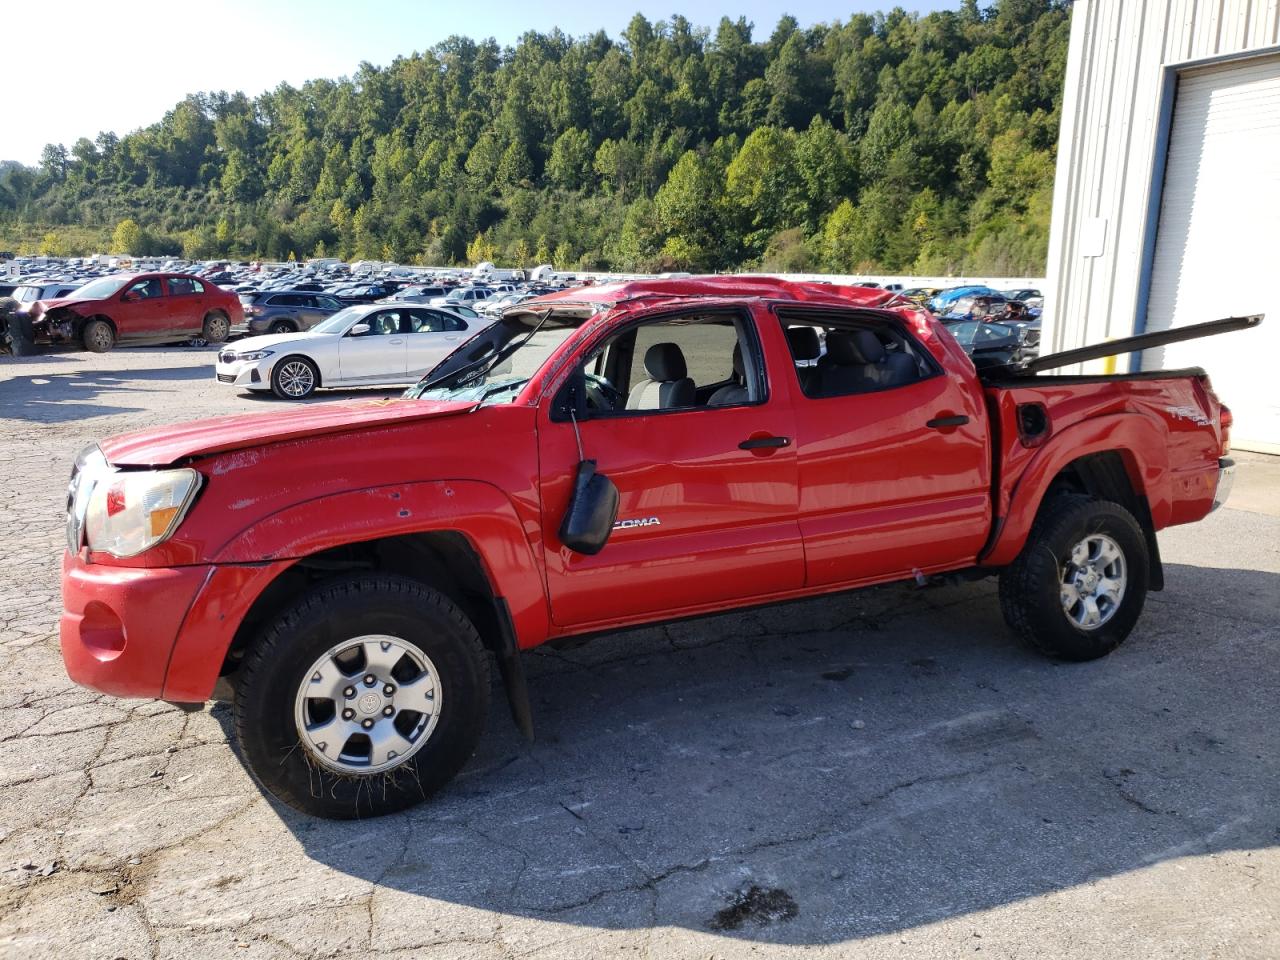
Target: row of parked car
{"x": 80, "y": 303}
{"x": 214, "y": 303}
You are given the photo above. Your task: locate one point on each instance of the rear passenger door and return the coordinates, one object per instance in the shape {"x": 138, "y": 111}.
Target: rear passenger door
{"x": 187, "y": 303}
{"x": 894, "y": 466}
{"x": 431, "y": 336}
{"x": 706, "y": 480}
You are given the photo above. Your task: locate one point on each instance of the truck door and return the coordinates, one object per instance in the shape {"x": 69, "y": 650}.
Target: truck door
{"x": 893, "y": 453}
{"x": 679, "y": 414}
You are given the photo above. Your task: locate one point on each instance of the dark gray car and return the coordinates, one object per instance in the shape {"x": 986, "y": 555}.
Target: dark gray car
{"x": 286, "y": 311}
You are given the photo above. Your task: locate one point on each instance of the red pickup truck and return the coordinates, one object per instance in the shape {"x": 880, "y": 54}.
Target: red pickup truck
{"x": 597, "y": 459}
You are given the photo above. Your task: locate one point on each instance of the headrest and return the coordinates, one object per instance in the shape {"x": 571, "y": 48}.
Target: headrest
{"x": 842, "y": 350}
{"x": 804, "y": 343}
{"x": 869, "y": 346}
{"x": 665, "y": 362}
{"x": 738, "y": 366}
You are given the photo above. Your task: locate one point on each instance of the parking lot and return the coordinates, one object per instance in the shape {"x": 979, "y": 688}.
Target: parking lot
{"x": 880, "y": 773}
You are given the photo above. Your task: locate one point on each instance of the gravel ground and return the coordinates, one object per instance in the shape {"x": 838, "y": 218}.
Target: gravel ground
{"x": 882, "y": 773}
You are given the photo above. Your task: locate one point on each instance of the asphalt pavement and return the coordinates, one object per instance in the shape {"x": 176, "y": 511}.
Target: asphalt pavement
{"x": 882, "y": 773}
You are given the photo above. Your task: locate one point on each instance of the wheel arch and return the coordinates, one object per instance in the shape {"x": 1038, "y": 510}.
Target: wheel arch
{"x": 302, "y": 356}
{"x": 443, "y": 559}
{"x": 1122, "y": 457}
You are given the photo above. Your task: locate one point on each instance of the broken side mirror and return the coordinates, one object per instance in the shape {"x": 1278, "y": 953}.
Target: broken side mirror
{"x": 593, "y": 508}
{"x": 593, "y": 505}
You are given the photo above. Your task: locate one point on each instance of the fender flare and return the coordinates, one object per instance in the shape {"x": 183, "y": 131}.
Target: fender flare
{"x": 479, "y": 511}
{"x": 1142, "y": 443}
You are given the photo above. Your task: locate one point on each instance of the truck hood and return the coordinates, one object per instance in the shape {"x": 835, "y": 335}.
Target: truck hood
{"x": 168, "y": 445}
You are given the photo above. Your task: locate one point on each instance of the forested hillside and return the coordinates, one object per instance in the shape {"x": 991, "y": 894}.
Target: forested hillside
{"x": 889, "y": 142}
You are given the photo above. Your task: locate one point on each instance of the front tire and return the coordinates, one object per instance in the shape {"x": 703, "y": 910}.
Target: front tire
{"x": 294, "y": 378}
{"x": 97, "y": 336}
{"x": 216, "y": 327}
{"x": 320, "y": 737}
{"x": 1078, "y": 586}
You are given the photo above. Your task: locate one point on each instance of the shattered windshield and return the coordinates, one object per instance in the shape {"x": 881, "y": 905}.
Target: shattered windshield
{"x": 497, "y": 363}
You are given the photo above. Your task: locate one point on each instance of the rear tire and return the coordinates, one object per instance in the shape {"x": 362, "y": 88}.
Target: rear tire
{"x": 216, "y": 327}
{"x": 282, "y": 727}
{"x": 1078, "y": 586}
{"x": 294, "y": 378}
{"x": 97, "y": 336}
{"x": 282, "y": 326}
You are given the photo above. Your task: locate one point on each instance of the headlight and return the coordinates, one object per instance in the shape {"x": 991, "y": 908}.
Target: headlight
{"x": 131, "y": 512}
{"x": 254, "y": 355}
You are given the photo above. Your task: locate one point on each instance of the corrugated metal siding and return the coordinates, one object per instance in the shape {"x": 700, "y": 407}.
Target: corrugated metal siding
{"x": 1215, "y": 249}
{"x": 1109, "y": 146}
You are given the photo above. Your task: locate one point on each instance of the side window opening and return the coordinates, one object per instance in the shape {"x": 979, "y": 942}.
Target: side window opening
{"x": 680, "y": 363}
{"x": 837, "y": 357}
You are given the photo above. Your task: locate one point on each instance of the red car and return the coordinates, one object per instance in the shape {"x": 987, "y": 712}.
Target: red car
{"x": 601, "y": 458}
{"x": 138, "y": 308}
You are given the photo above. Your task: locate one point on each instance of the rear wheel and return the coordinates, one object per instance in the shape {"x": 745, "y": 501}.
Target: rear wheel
{"x": 1079, "y": 585}
{"x": 98, "y": 336}
{"x": 216, "y": 327}
{"x": 294, "y": 378}
{"x": 282, "y": 326}
{"x": 365, "y": 698}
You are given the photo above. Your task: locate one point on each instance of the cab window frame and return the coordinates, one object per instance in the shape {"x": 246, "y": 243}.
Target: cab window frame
{"x": 834, "y": 318}
{"x": 745, "y": 324}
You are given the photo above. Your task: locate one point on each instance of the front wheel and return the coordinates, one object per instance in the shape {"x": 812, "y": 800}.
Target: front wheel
{"x": 294, "y": 378}
{"x": 98, "y": 336}
{"x": 1078, "y": 586}
{"x": 365, "y": 698}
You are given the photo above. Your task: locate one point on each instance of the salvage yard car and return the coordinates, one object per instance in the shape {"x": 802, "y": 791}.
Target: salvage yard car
{"x": 138, "y": 308}
{"x": 597, "y": 459}
{"x": 370, "y": 345}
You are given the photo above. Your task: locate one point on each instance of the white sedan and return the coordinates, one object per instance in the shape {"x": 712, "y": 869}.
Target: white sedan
{"x": 376, "y": 344}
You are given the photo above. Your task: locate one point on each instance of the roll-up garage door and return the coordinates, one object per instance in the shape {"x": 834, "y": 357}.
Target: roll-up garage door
{"x": 1217, "y": 252}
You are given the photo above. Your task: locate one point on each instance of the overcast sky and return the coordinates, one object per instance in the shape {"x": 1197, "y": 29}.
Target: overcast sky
{"x": 78, "y": 67}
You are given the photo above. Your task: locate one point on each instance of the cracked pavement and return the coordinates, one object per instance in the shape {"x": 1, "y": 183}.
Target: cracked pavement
{"x": 879, "y": 773}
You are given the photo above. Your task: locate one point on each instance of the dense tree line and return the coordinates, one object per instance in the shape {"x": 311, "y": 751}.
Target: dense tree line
{"x": 888, "y": 142}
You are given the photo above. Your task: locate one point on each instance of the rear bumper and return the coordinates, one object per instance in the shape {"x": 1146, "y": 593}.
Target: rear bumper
{"x": 1226, "y": 477}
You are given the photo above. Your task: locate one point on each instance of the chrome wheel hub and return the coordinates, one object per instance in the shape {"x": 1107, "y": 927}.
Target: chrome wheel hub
{"x": 368, "y": 704}
{"x": 296, "y": 379}
{"x": 1093, "y": 581}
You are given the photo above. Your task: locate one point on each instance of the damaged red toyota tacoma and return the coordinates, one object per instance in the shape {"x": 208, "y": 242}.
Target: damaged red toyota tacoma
{"x": 598, "y": 459}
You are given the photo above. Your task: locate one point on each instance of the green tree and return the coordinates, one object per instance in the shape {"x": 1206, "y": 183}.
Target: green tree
{"x": 571, "y": 160}
{"x": 763, "y": 187}
{"x": 127, "y": 237}
{"x": 689, "y": 210}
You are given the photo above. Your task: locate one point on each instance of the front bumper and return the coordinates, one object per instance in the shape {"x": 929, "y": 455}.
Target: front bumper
{"x": 119, "y": 624}
{"x": 250, "y": 374}
{"x": 155, "y": 631}
{"x": 1226, "y": 477}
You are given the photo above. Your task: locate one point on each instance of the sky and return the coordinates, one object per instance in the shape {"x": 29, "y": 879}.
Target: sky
{"x": 105, "y": 66}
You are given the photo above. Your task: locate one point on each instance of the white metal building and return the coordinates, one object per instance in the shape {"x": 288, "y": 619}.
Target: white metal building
{"x": 1166, "y": 208}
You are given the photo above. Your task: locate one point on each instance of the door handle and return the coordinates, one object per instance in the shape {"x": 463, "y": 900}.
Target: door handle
{"x": 941, "y": 423}
{"x": 757, "y": 443}
{"x": 397, "y": 340}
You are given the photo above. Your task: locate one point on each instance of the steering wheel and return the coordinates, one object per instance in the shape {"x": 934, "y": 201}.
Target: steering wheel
{"x": 601, "y": 394}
